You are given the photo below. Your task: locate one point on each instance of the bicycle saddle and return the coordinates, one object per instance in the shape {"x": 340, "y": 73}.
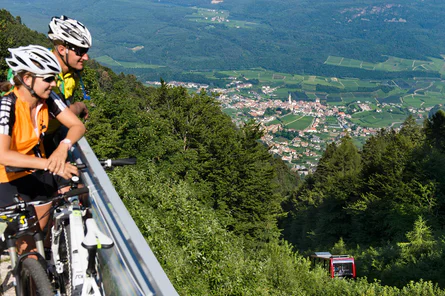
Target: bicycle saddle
{"x": 95, "y": 238}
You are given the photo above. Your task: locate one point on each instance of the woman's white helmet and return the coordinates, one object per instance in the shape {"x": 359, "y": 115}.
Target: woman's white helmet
{"x": 33, "y": 58}
{"x": 70, "y": 31}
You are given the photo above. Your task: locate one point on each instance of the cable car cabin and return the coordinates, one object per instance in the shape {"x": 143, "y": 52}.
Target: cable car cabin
{"x": 338, "y": 266}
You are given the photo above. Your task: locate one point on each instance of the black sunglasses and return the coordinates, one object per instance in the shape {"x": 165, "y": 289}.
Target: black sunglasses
{"x": 79, "y": 51}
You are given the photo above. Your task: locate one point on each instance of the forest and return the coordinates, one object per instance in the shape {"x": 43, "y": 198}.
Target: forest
{"x": 224, "y": 217}
{"x": 298, "y": 36}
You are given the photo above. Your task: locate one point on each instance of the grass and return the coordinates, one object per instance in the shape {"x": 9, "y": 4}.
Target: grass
{"x": 109, "y": 61}
{"x": 297, "y": 122}
{"x": 392, "y": 64}
{"x": 412, "y": 101}
{"x": 293, "y": 121}
{"x": 230, "y": 111}
{"x": 332, "y": 121}
{"x": 377, "y": 119}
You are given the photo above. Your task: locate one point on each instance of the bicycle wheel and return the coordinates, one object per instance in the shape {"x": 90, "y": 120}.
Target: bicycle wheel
{"x": 34, "y": 280}
{"x": 64, "y": 279}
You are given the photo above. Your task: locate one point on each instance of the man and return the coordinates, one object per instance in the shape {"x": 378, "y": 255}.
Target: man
{"x": 71, "y": 40}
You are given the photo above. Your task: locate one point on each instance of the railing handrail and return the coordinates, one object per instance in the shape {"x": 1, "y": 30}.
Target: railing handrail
{"x": 137, "y": 256}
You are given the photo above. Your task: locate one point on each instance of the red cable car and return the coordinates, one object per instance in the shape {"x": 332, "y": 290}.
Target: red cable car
{"x": 338, "y": 266}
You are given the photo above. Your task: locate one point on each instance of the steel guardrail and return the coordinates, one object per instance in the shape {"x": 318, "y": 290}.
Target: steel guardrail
{"x": 129, "y": 268}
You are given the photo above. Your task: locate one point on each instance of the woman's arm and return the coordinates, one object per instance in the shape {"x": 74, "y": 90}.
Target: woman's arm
{"x": 76, "y": 130}
{"x": 13, "y": 158}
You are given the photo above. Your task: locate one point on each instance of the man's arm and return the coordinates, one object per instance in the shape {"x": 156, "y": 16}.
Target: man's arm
{"x": 79, "y": 109}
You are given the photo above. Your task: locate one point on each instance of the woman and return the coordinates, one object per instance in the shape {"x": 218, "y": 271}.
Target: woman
{"x": 24, "y": 116}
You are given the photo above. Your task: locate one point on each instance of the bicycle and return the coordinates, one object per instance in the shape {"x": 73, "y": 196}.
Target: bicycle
{"x": 29, "y": 269}
{"x": 73, "y": 251}
{"x": 75, "y": 240}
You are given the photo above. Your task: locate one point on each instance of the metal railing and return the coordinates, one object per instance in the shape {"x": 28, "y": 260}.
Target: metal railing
{"x": 129, "y": 268}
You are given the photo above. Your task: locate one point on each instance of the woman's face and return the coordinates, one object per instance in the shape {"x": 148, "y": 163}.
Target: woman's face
{"x": 43, "y": 84}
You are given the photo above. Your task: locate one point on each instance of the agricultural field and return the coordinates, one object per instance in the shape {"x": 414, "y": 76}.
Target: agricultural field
{"x": 373, "y": 119}
{"x": 412, "y": 101}
{"x": 290, "y": 118}
{"x": 433, "y": 99}
{"x": 293, "y": 121}
{"x": 314, "y": 80}
{"x": 273, "y": 122}
{"x": 108, "y": 61}
{"x": 311, "y": 96}
{"x": 230, "y": 111}
{"x": 391, "y": 64}
{"x": 335, "y": 99}
{"x": 265, "y": 76}
{"x": 348, "y": 98}
{"x": 300, "y": 124}
{"x": 283, "y": 92}
{"x": 326, "y": 137}
{"x": 331, "y": 121}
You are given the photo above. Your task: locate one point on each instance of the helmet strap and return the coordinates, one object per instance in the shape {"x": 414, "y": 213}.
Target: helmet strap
{"x": 66, "y": 55}
{"x": 64, "y": 58}
{"x": 29, "y": 88}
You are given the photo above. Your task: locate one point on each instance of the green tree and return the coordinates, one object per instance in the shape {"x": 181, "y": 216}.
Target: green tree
{"x": 420, "y": 241}
{"x": 434, "y": 128}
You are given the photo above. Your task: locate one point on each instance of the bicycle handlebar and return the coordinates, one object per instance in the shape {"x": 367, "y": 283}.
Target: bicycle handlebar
{"x": 23, "y": 204}
{"x": 109, "y": 163}
{"x": 76, "y": 191}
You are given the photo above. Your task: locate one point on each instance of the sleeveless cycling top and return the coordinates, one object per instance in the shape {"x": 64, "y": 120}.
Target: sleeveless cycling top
{"x": 15, "y": 121}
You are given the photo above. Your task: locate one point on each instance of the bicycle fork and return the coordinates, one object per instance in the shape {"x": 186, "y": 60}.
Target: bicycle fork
{"x": 17, "y": 260}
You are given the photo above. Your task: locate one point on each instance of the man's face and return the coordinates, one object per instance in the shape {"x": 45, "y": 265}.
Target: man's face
{"x": 76, "y": 56}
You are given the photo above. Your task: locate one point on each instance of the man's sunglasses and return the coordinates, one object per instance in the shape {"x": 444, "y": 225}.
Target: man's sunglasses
{"x": 47, "y": 78}
{"x": 79, "y": 51}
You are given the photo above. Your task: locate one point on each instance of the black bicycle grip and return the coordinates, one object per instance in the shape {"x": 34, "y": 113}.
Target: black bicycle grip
{"x": 79, "y": 165}
{"x": 10, "y": 169}
{"x": 77, "y": 191}
{"x": 118, "y": 162}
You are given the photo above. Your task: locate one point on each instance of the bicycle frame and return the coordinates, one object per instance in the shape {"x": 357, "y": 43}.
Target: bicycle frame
{"x": 82, "y": 247}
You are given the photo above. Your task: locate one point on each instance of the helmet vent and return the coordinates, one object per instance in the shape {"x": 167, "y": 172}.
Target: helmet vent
{"x": 20, "y": 60}
{"x": 38, "y": 64}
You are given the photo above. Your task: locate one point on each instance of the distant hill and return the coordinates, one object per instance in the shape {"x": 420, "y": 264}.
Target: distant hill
{"x": 287, "y": 36}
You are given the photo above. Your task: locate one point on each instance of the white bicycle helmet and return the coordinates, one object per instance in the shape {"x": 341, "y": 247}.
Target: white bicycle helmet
{"x": 70, "y": 31}
{"x": 33, "y": 58}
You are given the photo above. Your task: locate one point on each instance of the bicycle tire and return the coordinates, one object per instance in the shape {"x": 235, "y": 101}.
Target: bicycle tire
{"x": 65, "y": 258}
{"x": 34, "y": 280}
